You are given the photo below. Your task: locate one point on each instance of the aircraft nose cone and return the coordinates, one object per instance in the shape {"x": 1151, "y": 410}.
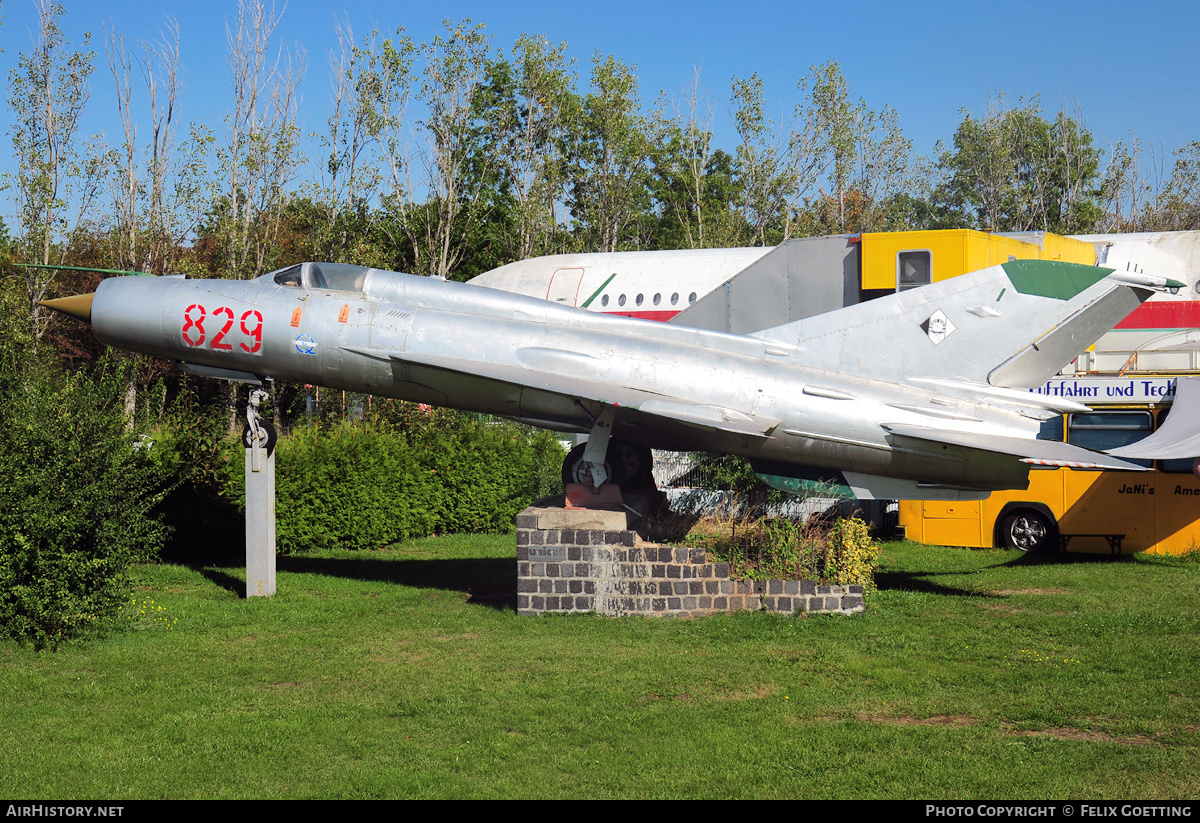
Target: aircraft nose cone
{"x": 78, "y": 306}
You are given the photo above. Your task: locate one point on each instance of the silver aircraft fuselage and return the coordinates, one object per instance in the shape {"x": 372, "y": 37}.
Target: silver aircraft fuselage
{"x": 663, "y": 386}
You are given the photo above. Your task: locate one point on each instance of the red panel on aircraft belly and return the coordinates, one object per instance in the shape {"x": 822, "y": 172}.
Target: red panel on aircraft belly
{"x": 1164, "y": 314}
{"x": 662, "y": 316}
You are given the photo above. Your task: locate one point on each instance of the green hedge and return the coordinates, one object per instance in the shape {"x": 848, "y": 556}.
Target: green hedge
{"x": 364, "y": 486}
{"x": 348, "y": 487}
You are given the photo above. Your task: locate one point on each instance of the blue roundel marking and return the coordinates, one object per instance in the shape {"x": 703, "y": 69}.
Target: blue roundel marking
{"x": 306, "y": 345}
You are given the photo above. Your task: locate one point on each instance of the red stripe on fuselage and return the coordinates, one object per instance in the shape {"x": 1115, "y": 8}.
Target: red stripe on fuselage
{"x": 661, "y": 316}
{"x": 1164, "y": 314}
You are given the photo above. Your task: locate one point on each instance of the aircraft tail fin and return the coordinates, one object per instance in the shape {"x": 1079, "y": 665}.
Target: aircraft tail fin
{"x": 1012, "y": 325}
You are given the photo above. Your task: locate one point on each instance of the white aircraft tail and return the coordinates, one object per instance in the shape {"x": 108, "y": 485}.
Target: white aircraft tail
{"x": 1012, "y": 325}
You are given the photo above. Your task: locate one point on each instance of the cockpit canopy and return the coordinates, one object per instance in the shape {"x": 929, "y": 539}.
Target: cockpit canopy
{"x": 323, "y": 276}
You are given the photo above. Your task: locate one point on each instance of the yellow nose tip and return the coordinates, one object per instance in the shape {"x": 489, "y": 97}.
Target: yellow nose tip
{"x": 78, "y": 306}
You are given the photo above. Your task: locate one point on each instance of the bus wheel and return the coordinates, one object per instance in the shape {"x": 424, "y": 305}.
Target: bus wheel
{"x": 1027, "y": 530}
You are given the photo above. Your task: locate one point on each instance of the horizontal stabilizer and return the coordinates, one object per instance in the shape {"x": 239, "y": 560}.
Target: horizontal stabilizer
{"x": 1035, "y": 452}
{"x": 999, "y": 396}
{"x": 1177, "y": 438}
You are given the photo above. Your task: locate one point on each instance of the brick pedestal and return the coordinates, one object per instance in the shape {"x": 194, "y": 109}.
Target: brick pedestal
{"x": 588, "y": 561}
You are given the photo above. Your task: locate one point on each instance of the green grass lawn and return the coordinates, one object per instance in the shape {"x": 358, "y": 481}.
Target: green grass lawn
{"x": 406, "y": 673}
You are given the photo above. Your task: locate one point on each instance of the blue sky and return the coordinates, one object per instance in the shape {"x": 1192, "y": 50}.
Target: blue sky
{"x": 1130, "y": 66}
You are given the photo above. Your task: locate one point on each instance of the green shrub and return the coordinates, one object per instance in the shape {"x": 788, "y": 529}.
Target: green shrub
{"x": 348, "y": 486}
{"x": 727, "y": 472}
{"x": 840, "y": 553}
{"x": 854, "y": 556}
{"x": 488, "y": 471}
{"x": 76, "y": 502}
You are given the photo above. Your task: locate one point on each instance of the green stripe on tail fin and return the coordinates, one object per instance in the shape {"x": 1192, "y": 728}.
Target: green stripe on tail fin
{"x": 1052, "y": 278}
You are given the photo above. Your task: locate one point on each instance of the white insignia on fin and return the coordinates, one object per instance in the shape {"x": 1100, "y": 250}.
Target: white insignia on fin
{"x": 938, "y": 327}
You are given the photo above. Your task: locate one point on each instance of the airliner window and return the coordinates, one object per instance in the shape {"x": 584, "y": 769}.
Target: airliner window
{"x": 674, "y": 298}
{"x": 691, "y": 298}
{"x": 639, "y": 300}
{"x": 336, "y": 276}
{"x": 657, "y": 299}
{"x": 604, "y": 300}
{"x": 1101, "y": 431}
{"x": 289, "y": 277}
{"x": 621, "y": 300}
{"x": 913, "y": 269}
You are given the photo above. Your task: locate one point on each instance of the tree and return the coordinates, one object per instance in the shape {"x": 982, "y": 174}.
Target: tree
{"x": 1177, "y": 207}
{"x": 261, "y": 152}
{"x": 1126, "y": 190}
{"x": 456, "y": 164}
{"x": 525, "y": 103}
{"x": 681, "y": 132}
{"x": 862, "y": 153}
{"x": 48, "y": 92}
{"x": 169, "y": 213}
{"x": 351, "y": 178}
{"x": 767, "y": 170}
{"x": 126, "y": 185}
{"x": 369, "y": 154}
{"x": 608, "y": 159}
{"x": 1014, "y": 171}
{"x": 1071, "y": 189}
{"x": 75, "y": 511}
{"x": 146, "y": 233}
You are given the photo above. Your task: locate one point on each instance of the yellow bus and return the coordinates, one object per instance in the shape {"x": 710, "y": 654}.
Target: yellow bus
{"x": 1079, "y": 510}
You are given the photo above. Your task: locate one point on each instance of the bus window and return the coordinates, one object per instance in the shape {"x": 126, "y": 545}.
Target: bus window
{"x": 1101, "y": 431}
{"x": 1180, "y": 465}
{"x": 1052, "y": 429}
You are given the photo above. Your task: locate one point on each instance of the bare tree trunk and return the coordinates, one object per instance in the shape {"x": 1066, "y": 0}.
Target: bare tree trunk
{"x": 125, "y": 201}
{"x": 262, "y": 149}
{"x": 162, "y": 56}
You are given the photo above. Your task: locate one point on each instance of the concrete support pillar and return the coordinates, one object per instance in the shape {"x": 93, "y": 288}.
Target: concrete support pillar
{"x": 260, "y": 500}
{"x": 260, "y": 522}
